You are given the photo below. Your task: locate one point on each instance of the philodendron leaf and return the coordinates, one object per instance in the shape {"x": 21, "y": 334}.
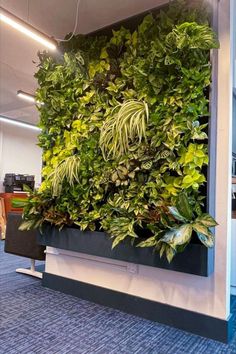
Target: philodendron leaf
{"x": 162, "y": 249}
{"x": 183, "y": 235}
{"x": 170, "y": 253}
{"x": 184, "y": 207}
{"x": 150, "y": 242}
{"x": 177, "y": 237}
{"x": 176, "y": 214}
{"x": 207, "y": 220}
{"x": 168, "y": 237}
{"x": 198, "y": 227}
{"x": 118, "y": 239}
{"x": 208, "y": 241}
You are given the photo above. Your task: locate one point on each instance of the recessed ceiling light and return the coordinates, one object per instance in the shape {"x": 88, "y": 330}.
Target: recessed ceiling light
{"x": 18, "y": 123}
{"x": 27, "y": 96}
{"x": 28, "y": 30}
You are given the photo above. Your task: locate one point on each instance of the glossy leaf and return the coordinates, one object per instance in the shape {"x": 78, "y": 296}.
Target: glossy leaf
{"x": 176, "y": 214}
{"x": 207, "y": 220}
{"x": 208, "y": 240}
{"x": 184, "y": 206}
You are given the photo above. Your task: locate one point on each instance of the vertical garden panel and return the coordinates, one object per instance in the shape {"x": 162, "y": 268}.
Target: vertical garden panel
{"x": 124, "y": 133}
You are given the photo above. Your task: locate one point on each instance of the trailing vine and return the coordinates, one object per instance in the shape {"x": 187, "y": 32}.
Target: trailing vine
{"x": 124, "y": 133}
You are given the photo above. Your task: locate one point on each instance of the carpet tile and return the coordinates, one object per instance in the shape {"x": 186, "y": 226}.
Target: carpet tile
{"x": 36, "y": 320}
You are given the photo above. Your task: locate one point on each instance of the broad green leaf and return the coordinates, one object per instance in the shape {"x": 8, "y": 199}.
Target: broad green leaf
{"x": 188, "y": 180}
{"x": 184, "y": 207}
{"x": 103, "y": 54}
{"x": 118, "y": 239}
{"x": 150, "y": 242}
{"x": 177, "y": 237}
{"x": 208, "y": 241}
{"x": 199, "y": 153}
{"x": 199, "y": 136}
{"x": 198, "y": 209}
{"x": 201, "y": 228}
{"x": 182, "y": 235}
{"x": 168, "y": 236}
{"x": 176, "y": 214}
{"x": 207, "y": 220}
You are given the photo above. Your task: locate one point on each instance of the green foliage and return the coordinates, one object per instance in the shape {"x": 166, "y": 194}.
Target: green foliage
{"x": 124, "y": 133}
{"x": 179, "y": 234}
{"x": 119, "y": 229}
{"x": 18, "y": 202}
{"x": 40, "y": 208}
{"x": 124, "y": 128}
{"x": 192, "y": 36}
{"x": 68, "y": 170}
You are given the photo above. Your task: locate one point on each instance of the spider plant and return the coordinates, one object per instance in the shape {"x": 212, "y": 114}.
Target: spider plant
{"x": 68, "y": 170}
{"x": 125, "y": 127}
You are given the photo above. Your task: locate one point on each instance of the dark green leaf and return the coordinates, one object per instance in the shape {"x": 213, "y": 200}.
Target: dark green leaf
{"x": 176, "y": 214}
{"x": 183, "y": 206}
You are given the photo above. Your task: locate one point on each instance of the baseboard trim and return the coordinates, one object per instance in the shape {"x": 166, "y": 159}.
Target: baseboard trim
{"x": 203, "y": 325}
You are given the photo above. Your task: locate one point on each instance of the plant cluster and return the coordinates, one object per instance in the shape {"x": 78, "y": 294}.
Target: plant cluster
{"x": 124, "y": 133}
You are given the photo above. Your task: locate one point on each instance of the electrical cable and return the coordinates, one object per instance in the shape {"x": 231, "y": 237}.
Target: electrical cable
{"x": 75, "y": 26}
{"x": 58, "y": 39}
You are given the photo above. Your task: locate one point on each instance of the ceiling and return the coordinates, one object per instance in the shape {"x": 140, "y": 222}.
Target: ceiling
{"x": 56, "y": 18}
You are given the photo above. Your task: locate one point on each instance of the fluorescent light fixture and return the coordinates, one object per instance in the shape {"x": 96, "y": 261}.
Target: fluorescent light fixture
{"x": 27, "y": 29}
{"x": 28, "y": 97}
{"x": 18, "y": 123}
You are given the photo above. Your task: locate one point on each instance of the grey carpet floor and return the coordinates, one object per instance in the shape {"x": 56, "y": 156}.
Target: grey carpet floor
{"x": 35, "y": 320}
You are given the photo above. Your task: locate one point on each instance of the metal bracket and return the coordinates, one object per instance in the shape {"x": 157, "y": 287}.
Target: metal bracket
{"x": 30, "y": 271}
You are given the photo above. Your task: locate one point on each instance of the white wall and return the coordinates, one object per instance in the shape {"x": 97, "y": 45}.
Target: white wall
{"x": 210, "y": 295}
{"x": 18, "y": 152}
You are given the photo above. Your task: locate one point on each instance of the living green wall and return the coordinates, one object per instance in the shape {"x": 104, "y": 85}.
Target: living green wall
{"x": 124, "y": 132}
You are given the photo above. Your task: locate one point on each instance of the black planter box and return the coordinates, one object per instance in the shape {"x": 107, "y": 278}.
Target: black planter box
{"x": 196, "y": 259}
